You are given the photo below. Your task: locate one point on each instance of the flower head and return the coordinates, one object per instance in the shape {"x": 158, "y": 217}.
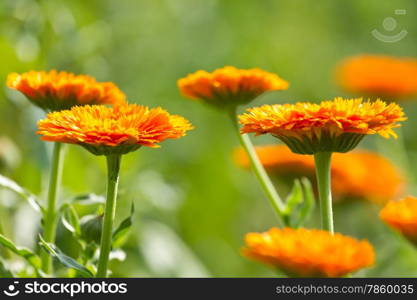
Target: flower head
{"x": 229, "y": 86}
{"x": 331, "y": 126}
{"x": 402, "y": 215}
{"x": 120, "y": 129}
{"x": 54, "y": 91}
{"x": 309, "y": 253}
{"x": 379, "y": 75}
{"x": 356, "y": 181}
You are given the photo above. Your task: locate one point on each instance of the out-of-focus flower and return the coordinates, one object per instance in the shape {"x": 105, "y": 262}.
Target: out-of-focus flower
{"x": 379, "y": 75}
{"x": 120, "y": 129}
{"x": 229, "y": 86}
{"x": 402, "y": 215}
{"x": 331, "y": 126}
{"x": 226, "y": 89}
{"x": 353, "y": 174}
{"x": 309, "y": 253}
{"x": 54, "y": 91}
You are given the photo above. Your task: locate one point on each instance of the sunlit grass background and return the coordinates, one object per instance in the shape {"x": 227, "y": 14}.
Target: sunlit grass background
{"x": 193, "y": 205}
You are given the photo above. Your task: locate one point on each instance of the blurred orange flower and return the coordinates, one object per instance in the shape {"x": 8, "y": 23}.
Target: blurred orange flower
{"x": 54, "y": 91}
{"x": 402, "y": 215}
{"x": 331, "y": 126}
{"x": 358, "y": 180}
{"x": 118, "y": 129}
{"x": 379, "y": 75}
{"x": 229, "y": 86}
{"x": 309, "y": 253}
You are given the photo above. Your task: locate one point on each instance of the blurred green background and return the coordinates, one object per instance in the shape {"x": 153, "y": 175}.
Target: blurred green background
{"x": 193, "y": 205}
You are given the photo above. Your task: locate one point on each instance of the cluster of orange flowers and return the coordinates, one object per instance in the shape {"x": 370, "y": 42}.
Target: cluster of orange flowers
{"x": 306, "y": 128}
{"x": 331, "y": 126}
{"x": 356, "y": 181}
{"x": 76, "y": 118}
{"x": 78, "y": 115}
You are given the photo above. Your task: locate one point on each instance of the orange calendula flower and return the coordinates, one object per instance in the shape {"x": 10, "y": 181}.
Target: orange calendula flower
{"x": 105, "y": 130}
{"x": 356, "y": 181}
{"x": 331, "y": 126}
{"x": 229, "y": 86}
{"x": 402, "y": 215}
{"x": 309, "y": 253}
{"x": 54, "y": 91}
{"x": 379, "y": 75}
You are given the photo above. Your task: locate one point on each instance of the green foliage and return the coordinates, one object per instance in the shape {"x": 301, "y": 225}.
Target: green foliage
{"x": 24, "y": 253}
{"x": 120, "y": 234}
{"x": 299, "y": 204}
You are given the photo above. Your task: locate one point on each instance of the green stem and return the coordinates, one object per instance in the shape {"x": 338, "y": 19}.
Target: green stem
{"x": 259, "y": 170}
{"x": 323, "y": 163}
{"x": 113, "y": 167}
{"x": 50, "y": 217}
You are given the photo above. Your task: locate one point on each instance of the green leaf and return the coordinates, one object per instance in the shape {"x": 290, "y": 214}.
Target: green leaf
{"x": 70, "y": 219}
{"x": 89, "y": 199}
{"x": 11, "y": 185}
{"x": 294, "y": 198}
{"x": 121, "y": 233}
{"x": 308, "y": 203}
{"x": 25, "y": 253}
{"x": 67, "y": 261}
{"x": 91, "y": 226}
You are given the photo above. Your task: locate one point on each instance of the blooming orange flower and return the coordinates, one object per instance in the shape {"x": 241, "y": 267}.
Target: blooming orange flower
{"x": 53, "y": 91}
{"x": 229, "y": 86}
{"x": 309, "y": 253}
{"x": 379, "y": 75}
{"x": 402, "y": 215}
{"x": 118, "y": 129}
{"x": 357, "y": 181}
{"x": 331, "y": 126}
